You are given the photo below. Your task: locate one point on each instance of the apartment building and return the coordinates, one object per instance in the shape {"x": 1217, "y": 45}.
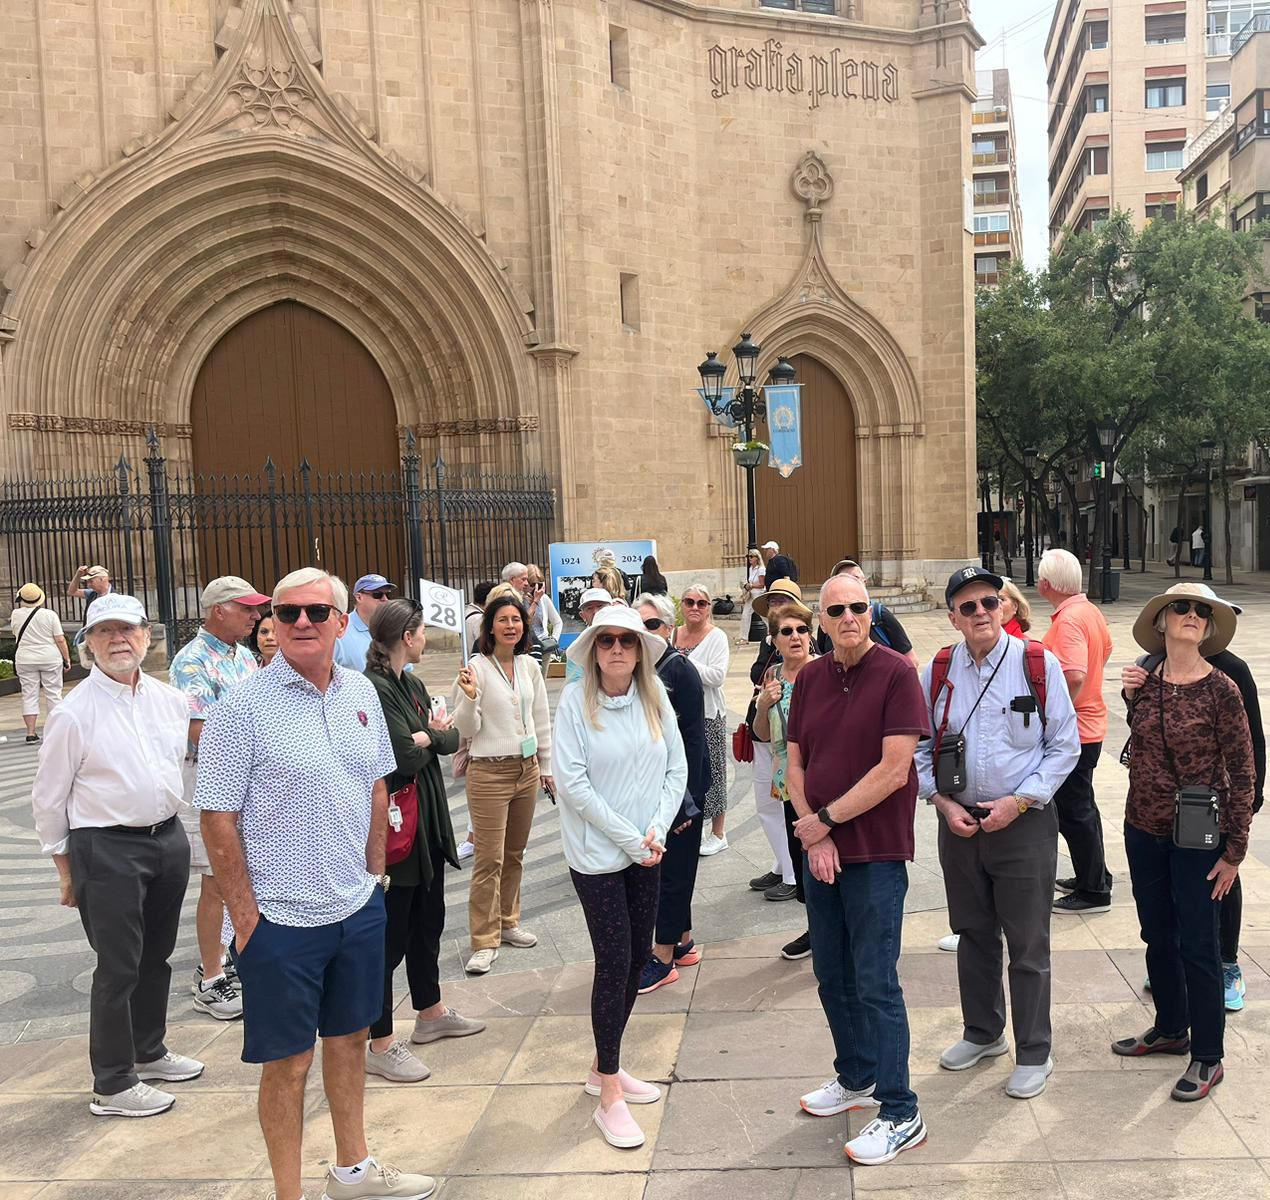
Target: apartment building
{"x": 1129, "y": 85}
{"x": 998, "y": 226}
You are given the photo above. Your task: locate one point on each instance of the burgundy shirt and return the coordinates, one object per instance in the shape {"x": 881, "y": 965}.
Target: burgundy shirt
{"x": 838, "y": 718}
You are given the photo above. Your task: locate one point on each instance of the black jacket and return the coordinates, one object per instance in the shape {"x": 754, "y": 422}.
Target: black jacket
{"x": 687, "y": 698}
{"x": 1233, "y": 666}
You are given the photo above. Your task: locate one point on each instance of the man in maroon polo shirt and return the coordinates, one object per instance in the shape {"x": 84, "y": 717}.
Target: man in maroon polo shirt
{"x": 855, "y": 720}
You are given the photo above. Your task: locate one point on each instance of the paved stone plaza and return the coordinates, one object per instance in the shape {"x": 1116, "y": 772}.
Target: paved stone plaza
{"x": 736, "y": 1041}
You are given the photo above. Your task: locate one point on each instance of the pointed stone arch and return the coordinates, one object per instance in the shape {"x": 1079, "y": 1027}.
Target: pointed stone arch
{"x": 266, "y": 187}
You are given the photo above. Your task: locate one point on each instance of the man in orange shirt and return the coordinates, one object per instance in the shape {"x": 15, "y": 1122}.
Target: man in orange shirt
{"x": 1079, "y": 639}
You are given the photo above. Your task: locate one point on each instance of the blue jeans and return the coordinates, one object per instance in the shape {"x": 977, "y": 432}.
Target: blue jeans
{"x": 1180, "y": 920}
{"x": 855, "y": 924}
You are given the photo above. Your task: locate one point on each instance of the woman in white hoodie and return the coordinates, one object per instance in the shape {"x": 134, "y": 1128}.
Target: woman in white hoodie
{"x": 620, "y": 772}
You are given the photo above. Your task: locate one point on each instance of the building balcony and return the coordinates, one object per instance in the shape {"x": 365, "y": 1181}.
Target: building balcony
{"x": 998, "y": 116}
{"x": 987, "y": 278}
{"x": 993, "y": 159}
{"x": 1217, "y": 45}
{"x": 992, "y": 199}
{"x": 998, "y": 237}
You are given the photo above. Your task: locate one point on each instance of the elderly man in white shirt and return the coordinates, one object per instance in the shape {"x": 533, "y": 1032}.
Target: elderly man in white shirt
{"x": 106, "y": 794}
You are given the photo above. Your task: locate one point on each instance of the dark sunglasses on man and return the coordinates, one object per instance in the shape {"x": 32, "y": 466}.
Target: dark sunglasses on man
{"x": 987, "y": 603}
{"x": 858, "y": 607}
{"x": 289, "y": 614}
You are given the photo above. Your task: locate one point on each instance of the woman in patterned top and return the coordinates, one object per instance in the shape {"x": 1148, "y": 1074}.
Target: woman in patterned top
{"x": 1187, "y": 727}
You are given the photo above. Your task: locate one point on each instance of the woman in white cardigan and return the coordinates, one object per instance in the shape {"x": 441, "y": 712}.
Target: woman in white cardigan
{"x": 622, "y": 773}
{"x": 706, "y": 647}
{"x": 501, "y": 705}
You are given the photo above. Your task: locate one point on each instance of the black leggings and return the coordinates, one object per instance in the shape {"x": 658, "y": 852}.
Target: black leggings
{"x": 620, "y": 910}
{"x": 416, "y": 920}
{"x": 678, "y": 878}
{"x": 795, "y": 852}
{"x": 1232, "y": 916}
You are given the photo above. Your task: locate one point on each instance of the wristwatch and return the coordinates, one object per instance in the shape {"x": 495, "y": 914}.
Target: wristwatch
{"x": 826, "y": 820}
{"x": 1023, "y": 803}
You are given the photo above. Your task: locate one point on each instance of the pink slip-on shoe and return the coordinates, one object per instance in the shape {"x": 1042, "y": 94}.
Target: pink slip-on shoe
{"x": 634, "y": 1091}
{"x": 618, "y": 1126}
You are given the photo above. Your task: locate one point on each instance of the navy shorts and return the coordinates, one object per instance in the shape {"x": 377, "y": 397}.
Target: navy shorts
{"x": 302, "y": 983}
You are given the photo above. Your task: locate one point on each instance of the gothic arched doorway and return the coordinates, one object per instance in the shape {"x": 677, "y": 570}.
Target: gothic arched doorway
{"x": 290, "y": 385}
{"x": 813, "y": 514}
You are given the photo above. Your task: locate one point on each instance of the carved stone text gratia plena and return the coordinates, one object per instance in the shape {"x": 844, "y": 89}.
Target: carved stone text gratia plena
{"x": 818, "y": 76}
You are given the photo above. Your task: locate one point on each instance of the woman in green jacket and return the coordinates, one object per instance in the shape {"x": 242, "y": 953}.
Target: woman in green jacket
{"x": 415, "y": 899}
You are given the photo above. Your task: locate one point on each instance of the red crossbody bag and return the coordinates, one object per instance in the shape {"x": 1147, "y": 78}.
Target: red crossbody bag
{"x": 403, "y": 815}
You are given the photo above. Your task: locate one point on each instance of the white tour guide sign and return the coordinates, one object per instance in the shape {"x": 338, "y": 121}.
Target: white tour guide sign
{"x": 443, "y": 609}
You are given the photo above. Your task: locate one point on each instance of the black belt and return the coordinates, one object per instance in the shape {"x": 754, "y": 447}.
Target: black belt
{"x": 147, "y": 830}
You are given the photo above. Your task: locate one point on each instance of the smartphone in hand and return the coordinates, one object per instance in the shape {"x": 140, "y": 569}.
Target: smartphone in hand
{"x": 551, "y": 794}
{"x": 438, "y": 708}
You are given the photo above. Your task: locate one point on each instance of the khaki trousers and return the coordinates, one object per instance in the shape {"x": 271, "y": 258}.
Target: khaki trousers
{"x": 501, "y": 797}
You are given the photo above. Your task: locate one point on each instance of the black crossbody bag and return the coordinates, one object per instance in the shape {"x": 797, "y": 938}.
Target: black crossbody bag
{"x": 1196, "y": 824}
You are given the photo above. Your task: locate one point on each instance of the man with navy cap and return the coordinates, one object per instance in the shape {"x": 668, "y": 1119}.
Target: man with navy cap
{"x": 369, "y": 592}
{"x": 1004, "y": 739}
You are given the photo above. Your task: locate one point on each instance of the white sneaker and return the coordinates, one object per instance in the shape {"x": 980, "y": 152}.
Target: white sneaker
{"x": 831, "y": 1098}
{"x": 218, "y": 999}
{"x": 712, "y": 845}
{"x": 519, "y": 936}
{"x": 949, "y": 942}
{"x": 171, "y": 1068}
{"x": 481, "y": 961}
{"x": 396, "y": 1064}
{"x": 140, "y": 1100}
{"x": 466, "y": 850}
{"x": 880, "y": 1141}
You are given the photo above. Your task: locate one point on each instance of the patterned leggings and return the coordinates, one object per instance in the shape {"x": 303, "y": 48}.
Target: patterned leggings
{"x": 620, "y": 910}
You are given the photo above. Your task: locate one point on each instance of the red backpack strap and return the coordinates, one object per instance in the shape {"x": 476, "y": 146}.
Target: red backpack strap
{"x": 1034, "y": 669}
{"x": 939, "y": 682}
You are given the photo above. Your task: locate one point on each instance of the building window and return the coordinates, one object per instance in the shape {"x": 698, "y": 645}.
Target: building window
{"x": 1252, "y": 118}
{"x": 1201, "y": 188}
{"x": 1092, "y": 218}
{"x": 1164, "y": 156}
{"x": 1166, "y": 93}
{"x": 1260, "y": 304}
{"x": 824, "y": 7}
{"x": 1216, "y": 99}
{"x": 1098, "y": 99}
{"x": 1097, "y": 31}
{"x": 1165, "y": 210}
{"x": 988, "y": 268}
{"x": 993, "y": 223}
{"x": 629, "y": 285}
{"x": 1164, "y": 29}
{"x": 1251, "y": 212}
{"x": 619, "y": 57}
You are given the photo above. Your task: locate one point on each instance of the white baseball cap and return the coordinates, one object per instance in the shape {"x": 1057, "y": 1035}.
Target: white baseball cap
{"x": 114, "y": 606}
{"x": 771, "y": 546}
{"x": 594, "y": 595}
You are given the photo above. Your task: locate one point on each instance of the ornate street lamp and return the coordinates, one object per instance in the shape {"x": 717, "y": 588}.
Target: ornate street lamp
{"x": 1029, "y": 465}
{"x": 1208, "y": 454}
{"x": 1107, "y": 441}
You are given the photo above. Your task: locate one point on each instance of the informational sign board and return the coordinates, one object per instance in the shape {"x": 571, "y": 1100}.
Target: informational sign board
{"x": 443, "y": 609}
{"x": 572, "y": 564}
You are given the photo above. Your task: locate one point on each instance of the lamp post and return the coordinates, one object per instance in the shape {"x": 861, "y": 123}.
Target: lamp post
{"x": 1107, "y": 441}
{"x": 1207, "y": 453}
{"x": 744, "y": 407}
{"x": 985, "y": 521}
{"x": 1029, "y": 465}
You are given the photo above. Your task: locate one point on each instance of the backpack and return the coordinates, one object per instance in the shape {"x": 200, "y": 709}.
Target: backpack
{"x": 1033, "y": 670}
{"x": 875, "y": 616}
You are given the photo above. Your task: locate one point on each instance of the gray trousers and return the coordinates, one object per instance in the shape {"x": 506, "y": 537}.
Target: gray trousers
{"x": 129, "y": 887}
{"x": 996, "y": 882}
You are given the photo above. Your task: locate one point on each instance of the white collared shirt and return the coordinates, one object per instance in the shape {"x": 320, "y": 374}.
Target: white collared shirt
{"x": 111, "y": 756}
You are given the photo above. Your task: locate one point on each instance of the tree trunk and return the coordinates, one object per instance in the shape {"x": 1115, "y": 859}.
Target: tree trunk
{"x": 1183, "y": 531}
{"x": 1225, "y": 510}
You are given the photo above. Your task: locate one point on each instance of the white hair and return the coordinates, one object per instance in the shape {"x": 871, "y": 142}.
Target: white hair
{"x": 836, "y": 579}
{"x": 1061, "y": 570}
{"x": 307, "y": 575}
{"x": 512, "y": 570}
{"x": 700, "y": 589}
{"x": 661, "y": 605}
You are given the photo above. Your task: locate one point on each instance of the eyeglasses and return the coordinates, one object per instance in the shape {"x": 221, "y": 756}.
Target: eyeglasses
{"x": 988, "y": 603}
{"x": 1182, "y": 607}
{"x": 653, "y": 624}
{"x": 318, "y": 614}
{"x": 687, "y": 603}
{"x": 859, "y": 607}
{"x": 628, "y": 641}
{"x": 377, "y": 595}
{"x": 790, "y": 630}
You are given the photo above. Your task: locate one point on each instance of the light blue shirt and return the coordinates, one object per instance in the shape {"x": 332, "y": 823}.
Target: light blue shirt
{"x": 1004, "y": 755}
{"x": 614, "y": 783}
{"x": 352, "y": 647}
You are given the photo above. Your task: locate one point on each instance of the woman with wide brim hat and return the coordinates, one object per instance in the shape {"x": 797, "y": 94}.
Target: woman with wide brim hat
{"x": 1188, "y": 729}
{"x": 621, "y": 773}
{"x": 41, "y": 657}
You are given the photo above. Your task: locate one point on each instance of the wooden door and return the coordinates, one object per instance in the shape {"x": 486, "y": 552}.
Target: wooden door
{"x": 290, "y": 384}
{"x": 812, "y": 514}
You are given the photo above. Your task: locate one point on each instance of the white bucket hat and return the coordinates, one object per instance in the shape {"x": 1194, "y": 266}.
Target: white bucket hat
{"x": 617, "y": 616}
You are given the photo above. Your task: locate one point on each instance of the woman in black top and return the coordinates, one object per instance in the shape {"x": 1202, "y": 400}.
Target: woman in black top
{"x": 415, "y": 899}
{"x": 651, "y": 581}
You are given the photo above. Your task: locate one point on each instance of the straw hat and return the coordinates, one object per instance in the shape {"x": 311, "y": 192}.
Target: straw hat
{"x": 1224, "y": 614}
{"x": 797, "y": 609}
{"x": 616, "y": 616}
{"x": 31, "y": 594}
{"x": 782, "y": 587}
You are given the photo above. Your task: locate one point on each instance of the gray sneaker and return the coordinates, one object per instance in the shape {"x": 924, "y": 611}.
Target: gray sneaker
{"x": 519, "y": 936}
{"x": 451, "y": 1025}
{"x": 140, "y": 1100}
{"x": 171, "y": 1068}
{"x": 1026, "y": 1082}
{"x": 378, "y": 1180}
{"x": 963, "y": 1054}
{"x": 218, "y": 999}
{"x": 481, "y": 961}
{"x": 396, "y": 1063}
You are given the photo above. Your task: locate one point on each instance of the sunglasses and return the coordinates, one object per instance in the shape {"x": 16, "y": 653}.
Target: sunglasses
{"x": 318, "y": 614}
{"x": 859, "y": 607}
{"x": 1182, "y": 607}
{"x": 695, "y": 603}
{"x": 628, "y": 641}
{"x": 653, "y": 624}
{"x": 377, "y": 595}
{"x": 988, "y": 603}
{"x": 790, "y": 630}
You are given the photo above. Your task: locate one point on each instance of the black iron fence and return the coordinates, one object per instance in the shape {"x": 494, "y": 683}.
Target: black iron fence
{"x": 164, "y": 533}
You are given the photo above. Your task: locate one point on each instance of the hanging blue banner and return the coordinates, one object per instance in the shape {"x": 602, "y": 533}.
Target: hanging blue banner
{"x": 784, "y": 425}
{"x": 724, "y": 418}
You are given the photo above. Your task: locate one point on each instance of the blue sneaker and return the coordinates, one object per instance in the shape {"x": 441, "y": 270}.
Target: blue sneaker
{"x": 656, "y": 974}
{"x": 1233, "y": 978}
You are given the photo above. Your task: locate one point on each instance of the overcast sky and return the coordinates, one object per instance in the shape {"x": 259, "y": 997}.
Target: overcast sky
{"x": 1015, "y": 36}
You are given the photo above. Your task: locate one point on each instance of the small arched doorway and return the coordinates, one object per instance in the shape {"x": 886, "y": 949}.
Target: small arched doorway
{"x": 813, "y": 513}
{"x": 290, "y": 385}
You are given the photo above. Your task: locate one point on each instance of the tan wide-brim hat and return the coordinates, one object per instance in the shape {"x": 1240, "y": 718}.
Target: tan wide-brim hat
{"x": 782, "y": 587}
{"x": 31, "y": 594}
{"x": 1224, "y": 618}
{"x": 798, "y": 609}
{"x": 616, "y": 616}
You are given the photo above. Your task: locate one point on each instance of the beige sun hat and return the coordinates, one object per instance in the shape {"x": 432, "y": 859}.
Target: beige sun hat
{"x": 31, "y": 594}
{"x": 782, "y": 587}
{"x": 1224, "y": 618}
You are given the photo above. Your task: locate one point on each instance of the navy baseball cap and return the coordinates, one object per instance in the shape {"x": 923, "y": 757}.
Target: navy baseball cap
{"x": 964, "y": 575}
{"x": 372, "y": 583}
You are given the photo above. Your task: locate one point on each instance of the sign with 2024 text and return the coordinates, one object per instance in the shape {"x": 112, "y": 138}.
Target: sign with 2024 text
{"x": 572, "y": 565}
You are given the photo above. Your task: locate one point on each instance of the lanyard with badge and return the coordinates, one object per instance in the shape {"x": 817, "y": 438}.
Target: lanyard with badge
{"x": 528, "y": 741}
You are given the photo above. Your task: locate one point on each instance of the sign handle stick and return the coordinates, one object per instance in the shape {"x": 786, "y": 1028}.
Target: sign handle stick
{"x": 463, "y": 628}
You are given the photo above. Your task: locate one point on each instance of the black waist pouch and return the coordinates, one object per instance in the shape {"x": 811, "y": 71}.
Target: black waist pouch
{"x": 1195, "y": 825}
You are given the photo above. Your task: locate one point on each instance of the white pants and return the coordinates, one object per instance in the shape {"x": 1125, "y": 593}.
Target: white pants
{"x": 771, "y": 813}
{"x": 33, "y": 679}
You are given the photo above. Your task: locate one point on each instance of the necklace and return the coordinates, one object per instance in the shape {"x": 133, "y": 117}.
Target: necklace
{"x": 1176, "y": 682}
